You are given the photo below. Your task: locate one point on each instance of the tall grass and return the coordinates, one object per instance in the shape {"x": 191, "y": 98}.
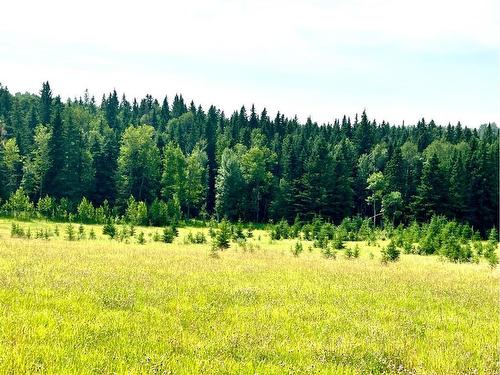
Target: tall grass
{"x": 101, "y": 306}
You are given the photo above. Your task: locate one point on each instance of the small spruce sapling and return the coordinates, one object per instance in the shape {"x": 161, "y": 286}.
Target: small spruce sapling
{"x": 390, "y": 253}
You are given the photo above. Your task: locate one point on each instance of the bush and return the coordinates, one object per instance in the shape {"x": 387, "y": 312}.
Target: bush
{"x": 86, "y": 211}
{"x": 355, "y": 252}
{"x": 81, "y": 232}
{"x": 109, "y": 229}
{"x": 19, "y": 205}
{"x": 70, "y": 232}
{"x": 338, "y": 243}
{"x": 329, "y": 253}
{"x": 136, "y": 213}
{"x": 297, "y": 249}
{"x": 197, "y": 238}
{"x": 16, "y": 231}
{"x": 92, "y": 235}
{"x": 140, "y": 238}
{"x": 490, "y": 254}
{"x": 408, "y": 247}
{"x": 158, "y": 213}
{"x": 238, "y": 231}
{"x": 223, "y": 235}
{"x": 454, "y": 251}
{"x": 169, "y": 234}
{"x": 46, "y": 207}
{"x": 390, "y": 253}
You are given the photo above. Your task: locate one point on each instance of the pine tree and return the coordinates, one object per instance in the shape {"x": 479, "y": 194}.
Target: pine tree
{"x": 45, "y": 104}
{"x": 429, "y": 199}
{"x": 212, "y": 165}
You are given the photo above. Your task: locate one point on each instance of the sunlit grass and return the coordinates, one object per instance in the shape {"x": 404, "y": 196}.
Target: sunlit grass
{"x": 100, "y": 306}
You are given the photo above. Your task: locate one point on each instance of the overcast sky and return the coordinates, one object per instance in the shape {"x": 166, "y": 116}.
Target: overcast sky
{"x": 401, "y": 60}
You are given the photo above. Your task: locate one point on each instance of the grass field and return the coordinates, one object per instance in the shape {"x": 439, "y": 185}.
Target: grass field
{"x": 100, "y": 306}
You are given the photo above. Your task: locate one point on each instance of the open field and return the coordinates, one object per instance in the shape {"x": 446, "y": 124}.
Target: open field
{"x": 100, "y": 306}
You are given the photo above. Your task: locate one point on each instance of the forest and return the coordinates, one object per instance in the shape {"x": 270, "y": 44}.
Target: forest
{"x": 171, "y": 160}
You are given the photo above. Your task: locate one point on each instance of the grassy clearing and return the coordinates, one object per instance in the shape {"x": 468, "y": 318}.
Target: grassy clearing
{"x": 100, "y": 306}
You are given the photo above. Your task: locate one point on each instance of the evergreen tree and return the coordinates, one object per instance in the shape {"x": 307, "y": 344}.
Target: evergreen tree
{"x": 45, "y": 104}
{"x": 429, "y": 199}
{"x": 212, "y": 165}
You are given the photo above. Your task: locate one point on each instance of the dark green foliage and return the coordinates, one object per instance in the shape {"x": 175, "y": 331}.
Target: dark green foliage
{"x": 355, "y": 251}
{"x": 281, "y": 230}
{"x": 390, "y": 253}
{"x": 297, "y": 249}
{"x": 246, "y": 166}
{"x": 491, "y": 255}
{"x": 329, "y": 252}
{"x": 197, "y": 238}
{"x": 338, "y": 243}
{"x": 238, "y": 231}
{"x": 454, "y": 251}
{"x": 140, "y": 238}
{"x": 70, "y": 232}
{"x": 169, "y": 234}
{"x": 222, "y": 235}
{"x": 109, "y": 229}
{"x": 16, "y": 230}
{"x": 81, "y": 232}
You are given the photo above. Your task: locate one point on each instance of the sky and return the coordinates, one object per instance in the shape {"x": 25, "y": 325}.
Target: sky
{"x": 398, "y": 59}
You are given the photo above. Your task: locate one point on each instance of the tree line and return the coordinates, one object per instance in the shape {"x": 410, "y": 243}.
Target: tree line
{"x": 178, "y": 159}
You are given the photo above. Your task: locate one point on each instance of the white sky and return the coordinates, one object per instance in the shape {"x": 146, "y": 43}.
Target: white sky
{"x": 398, "y": 59}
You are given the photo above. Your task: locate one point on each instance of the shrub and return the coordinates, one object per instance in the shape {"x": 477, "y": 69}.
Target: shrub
{"x": 70, "y": 232}
{"x": 46, "y": 207}
{"x": 92, "y": 235}
{"x": 297, "y": 249}
{"x": 86, "y": 211}
{"x": 493, "y": 236}
{"x": 223, "y": 235}
{"x": 109, "y": 229}
{"x": 408, "y": 247}
{"x": 390, "y": 253}
{"x": 355, "y": 252}
{"x": 81, "y": 232}
{"x": 19, "y": 205}
{"x": 140, "y": 238}
{"x": 454, "y": 251}
{"x": 338, "y": 243}
{"x": 16, "y": 231}
{"x": 169, "y": 234}
{"x": 478, "y": 248}
{"x": 490, "y": 254}
{"x": 158, "y": 213}
{"x": 197, "y": 238}
{"x": 329, "y": 253}
{"x": 238, "y": 231}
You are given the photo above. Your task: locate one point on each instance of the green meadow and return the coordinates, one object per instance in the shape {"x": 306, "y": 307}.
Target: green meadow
{"x": 104, "y": 306}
